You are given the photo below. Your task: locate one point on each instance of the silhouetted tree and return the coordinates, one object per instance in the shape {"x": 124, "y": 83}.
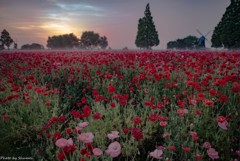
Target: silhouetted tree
{"x": 6, "y": 39}
{"x": 103, "y": 43}
{"x": 147, "y": 35}
{"x": 66, "y": 41}
{"x": 33, "y": 46}
{"x": 1, "y": 44}
{"x": 89, "y": 39}
{"x": 189, "y": 42}
{"x": 227, "y": 32}
{"x": 15, "y": 45}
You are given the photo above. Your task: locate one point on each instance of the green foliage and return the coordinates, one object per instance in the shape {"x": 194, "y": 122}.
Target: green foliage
{"x": 89, "y": 39}
{"x": 103, "y": 43}
{"x": 189, "y": 42}
{"x": 18, "y": 134}
{"x": 67, "y": 41}
{"x": 6, "y": 39}
{"x": 15, "y": 46}
{"x": 147, "y": 36}
{"x": 227, "y": 33}
{"x": 33, "y": 46}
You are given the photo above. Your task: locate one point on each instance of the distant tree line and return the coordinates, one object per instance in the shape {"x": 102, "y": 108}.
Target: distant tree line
{"x": 189, "y": 42}
{"x": 88, "y": 40}
{"x": 33, "y": 46}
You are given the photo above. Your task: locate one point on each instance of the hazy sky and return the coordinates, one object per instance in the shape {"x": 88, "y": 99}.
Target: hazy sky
{"x": 30, "y": 21}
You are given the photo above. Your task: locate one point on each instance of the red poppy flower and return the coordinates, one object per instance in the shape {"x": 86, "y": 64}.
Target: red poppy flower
{"x": 49, "y": 135}
{"x": 111, "y": 89}
{"x": 56, "y": 136}
{"x": 180, "y": 112}
{"x": 97, "y": 116}
{"x": 112, "y": 105}
{"x": 198, "y": 157}
{"x": 95, "y": 93}
{"x": 220, "y": 119}
{"x": 123, "y": 101}
{"x": 135, "y": 130}
{"x": 195, "y": 138}
{"x": 152, "y": 117}
{"x": 200, "y": 95}
{"x": 138, "y": 135}
{"x": 6, "y": 118}
{"x": 186, "y": 149}
{"x": 163, "y": 124}
{"x": 82, "y": 159}
{"x": 137, "y": 120}
{"x": 61, "y": 156}
{"x": 213, "y": 93}
{"x": 47, "y": 104}
{"x": 69, "y": 131}
{"x": 62, "y": 119}
{"x": 88, "y": 155}
{"x": 89, "y": 146}
{"x": 125, "y": 130}
{"x": 171, "y": 147}
{"x": 83, "y": 151}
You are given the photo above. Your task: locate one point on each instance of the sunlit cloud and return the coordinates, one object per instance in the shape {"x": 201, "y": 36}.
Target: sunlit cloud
{"x": 29, "y": 27}
{"x": 57, "y": 28}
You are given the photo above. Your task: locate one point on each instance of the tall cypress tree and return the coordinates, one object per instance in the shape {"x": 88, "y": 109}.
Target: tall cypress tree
{"x": 147, "y": 35}
{"x": 227, "y": 33}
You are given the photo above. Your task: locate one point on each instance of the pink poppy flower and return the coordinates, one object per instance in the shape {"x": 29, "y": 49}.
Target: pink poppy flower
{"x": 238, "y": 152}
{"x": 207, "y": 145}
{"x": 193, "y": 133}
{"x": 61, "y": 143}
{"x": 113, "y": 135}
{"x": 223, "y": 125}
{"x": 156, "y": 154}
{"x": 83, "y": 124}
{"x": 194, "y": 102}
{"x": 166, "y": 134}
{"x": 185, "y": 111}
{"x": 86, "y": 137}
{"x": 191, "y": 126}
{"x": 212, "y": 153}
{"x": 70, "y": 142}
{"x": 97, "y": 152}
{"x": 114, "y": 149}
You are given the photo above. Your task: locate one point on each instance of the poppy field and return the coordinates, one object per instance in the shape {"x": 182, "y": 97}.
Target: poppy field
{"x": 120, "y": 105}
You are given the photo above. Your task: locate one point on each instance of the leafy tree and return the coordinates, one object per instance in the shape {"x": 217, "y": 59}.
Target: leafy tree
{"x": 6, "y": 39}
{"x": 66, "y": 41}
{"x": 1, "y": 44}
{"x": 103, "y": 43}
{"x": 227, "y": 32}
{"x": 15, "y": 45}
{"x": 147, "y": 36}
{"x": 33, "y": 46}
{"x": 189, "y": 42}
{"x": 89, "y": 39}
